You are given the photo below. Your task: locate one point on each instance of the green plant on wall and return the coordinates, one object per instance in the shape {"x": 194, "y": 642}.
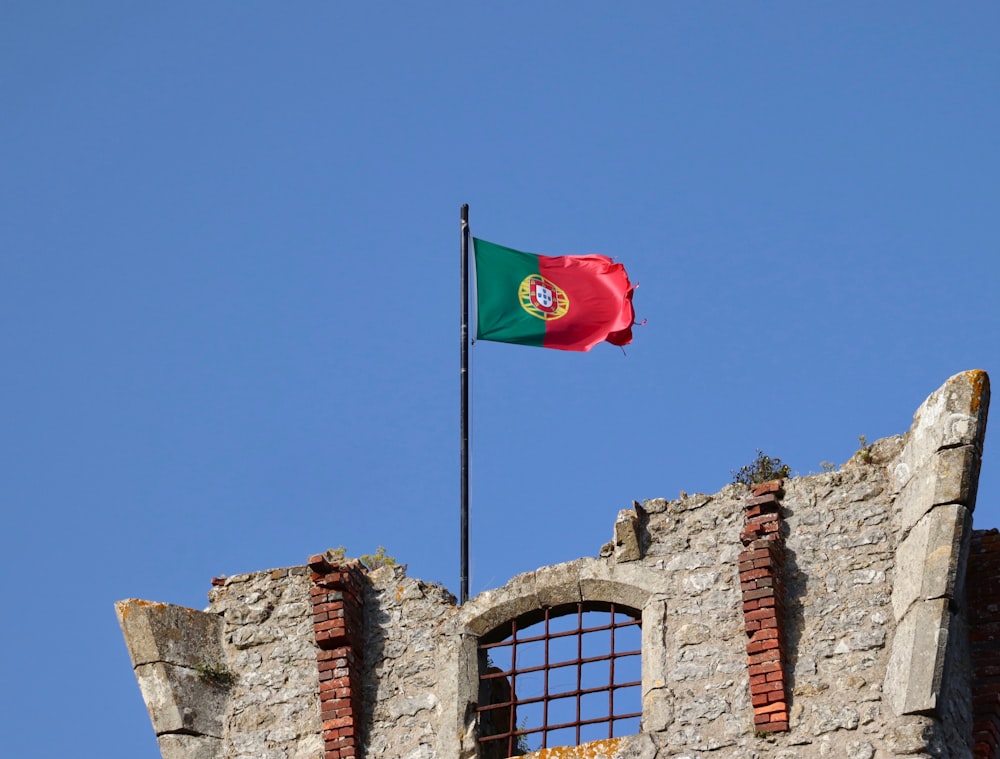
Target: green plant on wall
{"x": 864, "y": 452}
{"x": 214, "y": 672}
{"x": 762, "y": 469}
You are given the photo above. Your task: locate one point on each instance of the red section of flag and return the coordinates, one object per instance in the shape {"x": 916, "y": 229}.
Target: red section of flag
{"x": 600, "y": 302}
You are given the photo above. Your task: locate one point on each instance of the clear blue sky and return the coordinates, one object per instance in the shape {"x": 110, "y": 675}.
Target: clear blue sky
{"x": 229, "y": 284}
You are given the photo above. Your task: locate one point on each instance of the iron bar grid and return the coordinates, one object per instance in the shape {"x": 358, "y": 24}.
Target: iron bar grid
{"x": 498, "y": 717}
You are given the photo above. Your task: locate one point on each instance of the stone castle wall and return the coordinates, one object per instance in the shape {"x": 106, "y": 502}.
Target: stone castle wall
{"x": 847, "y": 637}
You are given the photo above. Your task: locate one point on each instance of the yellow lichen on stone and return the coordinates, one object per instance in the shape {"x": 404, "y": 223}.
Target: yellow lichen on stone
{"x": 125, "y": 607}
{"x": 602, "y": 749}
{"x": 980, "y": 381}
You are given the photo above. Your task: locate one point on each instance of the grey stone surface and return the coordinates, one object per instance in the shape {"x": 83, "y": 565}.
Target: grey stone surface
{"x": 558, "y": 584}
{"x": 270, "y": 646}
{"x": 180, "y": 700}
{"x": 935, "y": 476}
{"x": 629, "y": 584}
{"x": 657, "y": 709}
{"x": 410, "y": 684}
{"x": 179, "y": 746}
{"x": 457, "y": 687}
{"x": 939, "y": 462}
{"x": 955, "y": 727}
{"x": 909, "y": 738}
{"x": 627, "y": 541}
{"x": 947, "y": 476}
{"x": 929, "y": 558}
{"x": 636, "y": 747}
{"x": 913, "y": 676}
{"x": 952, "y": 416}
{"x": 168, "y": 645}
{"x": 158, "y": 632}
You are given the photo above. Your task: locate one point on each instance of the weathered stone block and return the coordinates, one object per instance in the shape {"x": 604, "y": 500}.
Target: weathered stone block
{"x": 629, "y": 584}
{"x": 952, "y": 416}
{"x": 558, "y": 584}
{"x": 627, "y": 540}
{"x": 158, "y": 632}
{"x": 176, "y": 746}
{"x": 948, "y": 476}
{"x": 916, "y": 663}
{"x": 640, "y": 746}
{"x": 179, "y": 700}
{"x": 928, "y": 560}
{"x": 654, "y": 650}
{"x": 909, "y": 738}
{"x": 457, "y": 665}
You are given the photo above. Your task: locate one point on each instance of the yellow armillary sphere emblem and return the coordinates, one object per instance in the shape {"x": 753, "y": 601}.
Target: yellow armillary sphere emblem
{"x": 542, "y": 299}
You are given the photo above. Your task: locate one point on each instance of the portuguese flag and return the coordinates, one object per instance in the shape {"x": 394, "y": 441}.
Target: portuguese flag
{"x": 567, "y": 302}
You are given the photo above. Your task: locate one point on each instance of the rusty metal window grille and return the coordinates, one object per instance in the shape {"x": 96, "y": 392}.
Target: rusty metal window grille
{"x": 560, "y": 677}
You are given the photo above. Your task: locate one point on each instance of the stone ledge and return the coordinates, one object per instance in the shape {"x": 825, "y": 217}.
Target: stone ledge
{"x": 158, "y": 632}
{"x": 177, "y": 746}
{"x": 167, "y": 645}
{"x": 181, "y": 701}
{"x": 626, "y": 747}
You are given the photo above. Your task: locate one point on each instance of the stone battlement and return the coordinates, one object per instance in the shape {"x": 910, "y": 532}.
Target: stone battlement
{"x": 815, "y": 616}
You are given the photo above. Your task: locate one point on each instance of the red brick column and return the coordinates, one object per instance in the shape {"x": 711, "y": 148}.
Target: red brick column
{"x": 760, "y": 567}
{"x": 338, "y": 624}
{"x": 983, "y": 602}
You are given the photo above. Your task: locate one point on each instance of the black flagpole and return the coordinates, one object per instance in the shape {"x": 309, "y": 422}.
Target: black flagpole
{"x": 465, "y": 405}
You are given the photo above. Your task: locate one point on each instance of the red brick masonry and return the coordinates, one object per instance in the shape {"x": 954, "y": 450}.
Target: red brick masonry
{"x": 983, "y": 602}
{"x": 337, "y": 622}
{"x": 760, "y": 568}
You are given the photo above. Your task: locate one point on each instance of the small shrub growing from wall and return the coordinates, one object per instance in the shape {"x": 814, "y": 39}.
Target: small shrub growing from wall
{"x": 762, "y": 469}
{"x": 219, "y": 674}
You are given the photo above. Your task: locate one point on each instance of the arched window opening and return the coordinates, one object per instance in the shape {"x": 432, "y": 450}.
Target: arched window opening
{"x": 560, "y": 676}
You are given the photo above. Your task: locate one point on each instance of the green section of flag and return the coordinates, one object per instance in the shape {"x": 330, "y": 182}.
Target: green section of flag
{"x": 499, "y": 315}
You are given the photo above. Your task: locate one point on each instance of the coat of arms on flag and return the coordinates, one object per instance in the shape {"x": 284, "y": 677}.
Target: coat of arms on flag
{"x": 542, "y": 298}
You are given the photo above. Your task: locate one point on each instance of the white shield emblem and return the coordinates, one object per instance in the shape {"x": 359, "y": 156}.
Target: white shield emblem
{"x": 545, "y": 297}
